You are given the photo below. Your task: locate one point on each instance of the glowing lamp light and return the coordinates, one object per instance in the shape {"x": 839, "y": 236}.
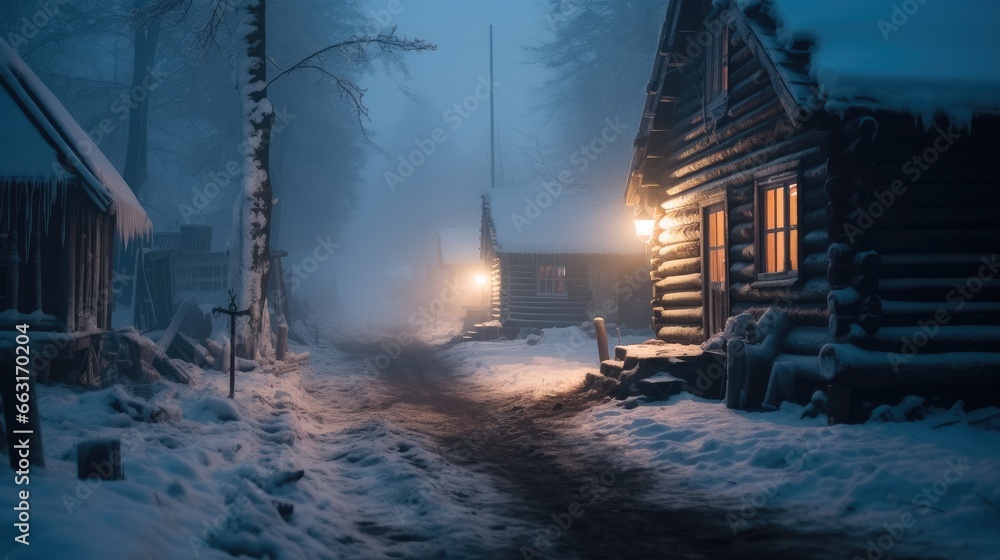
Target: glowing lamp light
{"x": 480, "y": 279}
{"x": 644, "y": 225}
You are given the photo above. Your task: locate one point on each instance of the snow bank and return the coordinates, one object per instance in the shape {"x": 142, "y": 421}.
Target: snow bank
{"x": 212, "y": 478}
{"x": 559, "y": 362}
{"x": 938, "y": 480}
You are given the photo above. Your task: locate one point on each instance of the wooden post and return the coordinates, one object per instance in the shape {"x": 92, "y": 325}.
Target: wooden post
{"x": 226, "y": 355}
{"x": 233, "y": 313}
{"x": 279, "y": 352}
{"x": 602, "y": 340}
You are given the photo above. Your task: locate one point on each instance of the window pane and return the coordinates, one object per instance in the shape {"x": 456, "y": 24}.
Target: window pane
{"x": 718, "y": 265}
{"x": 793, "y": 204}
{"x": 769, "y": 208}
{"x": 793, "y": 248}
{"x": 720, "y": 229}
{"x": 779, "y": 254}
{"x": 779, "y": 207}
{"x": 768, "y": 260}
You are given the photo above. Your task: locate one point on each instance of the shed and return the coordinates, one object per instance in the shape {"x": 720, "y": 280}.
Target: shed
{"x": 62, "y": 207}
{"x": 561, "y": 258}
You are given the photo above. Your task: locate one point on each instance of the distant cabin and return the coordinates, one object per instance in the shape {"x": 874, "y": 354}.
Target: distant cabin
{"x": 459, "y": 276}
{"x": 62, "y": 208}
{"x": 856, "y": 202}
{"x": 562, "y": 260}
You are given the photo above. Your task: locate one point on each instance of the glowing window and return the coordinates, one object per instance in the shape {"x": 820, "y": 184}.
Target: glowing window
{"x": 778, "y": 242}
{"x": 551, "y": 279}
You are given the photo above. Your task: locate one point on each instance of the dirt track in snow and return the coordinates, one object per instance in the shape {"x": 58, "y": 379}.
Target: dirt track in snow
{"x": 583, "y": 506}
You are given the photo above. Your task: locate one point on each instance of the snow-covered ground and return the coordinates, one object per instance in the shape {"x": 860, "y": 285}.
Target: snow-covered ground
{"x": 205, "y": 474}
{"x": 929, "y": 488}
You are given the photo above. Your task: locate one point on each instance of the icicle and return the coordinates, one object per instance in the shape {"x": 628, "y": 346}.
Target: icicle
{"x": 28, "y": 218}
{"x": 65, "y": 207}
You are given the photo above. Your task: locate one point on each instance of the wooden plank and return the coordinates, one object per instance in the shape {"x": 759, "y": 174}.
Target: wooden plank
{"x": 175, "y": 324}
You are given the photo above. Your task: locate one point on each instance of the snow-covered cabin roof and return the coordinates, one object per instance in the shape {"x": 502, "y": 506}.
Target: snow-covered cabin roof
{"x": 921, "y": 58}
{"x": 825, "y": 58}
{"x": 39, "y": 132}
{"x": 571, "y": 223}
{"x": 458, "y": 246}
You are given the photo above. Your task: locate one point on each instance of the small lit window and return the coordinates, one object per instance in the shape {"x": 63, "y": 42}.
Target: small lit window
{"x": 552, "y": 280}
{"x": 778, "y": 222}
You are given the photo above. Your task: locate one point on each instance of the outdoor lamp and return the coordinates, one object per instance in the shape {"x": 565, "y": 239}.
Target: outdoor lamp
{"x": 644, "y": 224}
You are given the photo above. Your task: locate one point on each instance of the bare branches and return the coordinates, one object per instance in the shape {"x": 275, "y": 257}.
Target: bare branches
{"x": 156, "y": 9}
{"x": 144, "y": 17}
{"x": 356, "y": 49}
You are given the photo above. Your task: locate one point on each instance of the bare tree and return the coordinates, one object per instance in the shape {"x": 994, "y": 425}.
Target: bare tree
{"x": 249, "y": 247}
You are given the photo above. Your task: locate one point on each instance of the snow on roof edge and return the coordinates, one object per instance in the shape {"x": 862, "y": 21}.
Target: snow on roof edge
{"x": 863, "y": 62}
{"x": 106, "y": 186}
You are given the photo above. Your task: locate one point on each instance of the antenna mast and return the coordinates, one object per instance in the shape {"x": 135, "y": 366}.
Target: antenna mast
{"x": 493, "y": 160}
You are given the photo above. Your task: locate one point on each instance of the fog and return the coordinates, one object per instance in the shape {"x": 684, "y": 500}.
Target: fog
{"x": 357, "y": 189}
{"x": 397, "y": 222}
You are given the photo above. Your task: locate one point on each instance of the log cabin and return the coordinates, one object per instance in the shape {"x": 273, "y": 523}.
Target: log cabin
{"x": 561, "y": 259}
{"x": 62, "y": 208}
{"x": 838, "y": 189}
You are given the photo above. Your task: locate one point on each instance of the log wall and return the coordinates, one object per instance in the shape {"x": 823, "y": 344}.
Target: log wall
{"x": 607, "y": 286}
{"x": 708, "y": 162}
{"x": 919, "y": 207}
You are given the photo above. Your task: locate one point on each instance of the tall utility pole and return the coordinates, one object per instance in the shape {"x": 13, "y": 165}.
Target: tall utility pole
{"x": 493, "y": 161}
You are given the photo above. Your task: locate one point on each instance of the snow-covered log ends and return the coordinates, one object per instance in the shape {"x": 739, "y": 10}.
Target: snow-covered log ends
{"x": 250, "y": 243}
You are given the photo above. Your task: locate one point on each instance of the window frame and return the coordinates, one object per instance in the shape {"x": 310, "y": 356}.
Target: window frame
{"x": 716, "y": 71}
{"x": 548, "y": 286}
{"x": 782, "y": 180}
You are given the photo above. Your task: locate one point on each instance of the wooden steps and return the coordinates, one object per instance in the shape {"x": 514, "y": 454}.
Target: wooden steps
{"x": 659, "y": 370}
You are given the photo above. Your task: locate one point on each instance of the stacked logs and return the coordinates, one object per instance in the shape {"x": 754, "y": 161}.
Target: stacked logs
{"x": 854, "y": 267}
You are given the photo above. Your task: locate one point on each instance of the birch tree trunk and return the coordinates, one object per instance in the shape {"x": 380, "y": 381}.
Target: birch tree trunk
{"x": 249, "y": 262}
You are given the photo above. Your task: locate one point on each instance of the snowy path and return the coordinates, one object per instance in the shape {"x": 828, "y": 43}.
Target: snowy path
{"x": 480, "y": 450}
{"x": 560, "y": 498}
